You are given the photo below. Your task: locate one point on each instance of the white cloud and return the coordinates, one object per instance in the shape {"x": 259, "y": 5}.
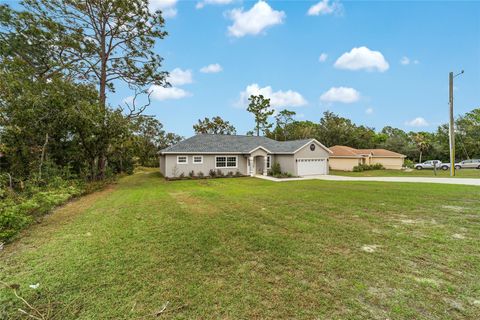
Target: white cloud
{"x": 161, "y": 93}
{"x": 255, "y": 20}
{"x": 278, "y": 99}
{"x": 405, "y": 61}
{"x": 168, "y": 7}
{"x": 203, "y": 3}
{"x": 323, "y": 57}
{"x": 340, "y": 94}
{"x": 417, "y": 122}
{"x": 212, "y": 68}
{"x": 362, "y": 58}
{"x": 178, "y": 77}
{"x": 369, "y": 111}
{"x": 324, "y": 7}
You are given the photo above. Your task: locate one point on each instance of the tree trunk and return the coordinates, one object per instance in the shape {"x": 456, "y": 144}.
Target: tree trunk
{"x": 103, "y": 98}
{"x": 42, "y": 157}
{"x": 420, "y": 160}
{"x": 102, "y": 165}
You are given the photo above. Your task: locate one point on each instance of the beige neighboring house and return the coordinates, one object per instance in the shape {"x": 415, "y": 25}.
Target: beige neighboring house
{"x": 248, "y": 155}
{"x": 345, "y": 158}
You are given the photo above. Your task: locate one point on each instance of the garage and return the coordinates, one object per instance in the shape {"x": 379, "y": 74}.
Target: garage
{"x": 308, "y": 167}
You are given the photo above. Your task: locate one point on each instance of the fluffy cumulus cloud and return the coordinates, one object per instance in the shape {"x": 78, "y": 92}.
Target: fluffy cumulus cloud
{"x": 178, "y": 77}
{"x": 171, "y": 93}
{"x": 203, "y": 3}
{"x": 323, "y": 57}
{"x": 212, "y": 68}
{"x": 278, "y": 99}
{"x": 255, "y": 20}
{"x": 362, "y": 58}
{"x": 325, "y": 7}
{"x": 168, "y": 7}
{"x": 369, "y": 111}
{"x": 417, "y": 122}
{"x": 340, "y": 94}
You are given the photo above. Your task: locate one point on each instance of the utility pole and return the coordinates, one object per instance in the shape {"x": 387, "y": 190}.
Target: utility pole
{"x": 451, "y": 131}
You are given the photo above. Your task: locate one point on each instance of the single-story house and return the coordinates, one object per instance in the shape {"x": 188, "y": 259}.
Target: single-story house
{"x": 249, "y": 155}
{"x": 345, "y": 158}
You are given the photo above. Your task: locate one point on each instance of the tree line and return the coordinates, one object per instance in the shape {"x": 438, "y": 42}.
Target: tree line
{"x": 59, "y": 62}
{"x": 332, "y": 130}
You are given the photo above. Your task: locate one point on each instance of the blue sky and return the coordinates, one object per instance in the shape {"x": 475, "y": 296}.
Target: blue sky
{"x": 274, "y": 47}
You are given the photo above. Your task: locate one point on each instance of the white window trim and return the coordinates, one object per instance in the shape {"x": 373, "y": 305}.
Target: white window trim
{"x": 193, "y": 160}
{"x": 178, "y": 157}
{"x": 226, "y": 167}
{"x": 269, "y": 162}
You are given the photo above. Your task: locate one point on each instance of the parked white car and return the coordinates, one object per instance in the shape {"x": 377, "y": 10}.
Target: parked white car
{"x": 430, "y": 164}
{"x": 465, "y": 164}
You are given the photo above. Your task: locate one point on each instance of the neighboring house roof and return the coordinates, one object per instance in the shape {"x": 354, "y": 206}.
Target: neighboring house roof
{"x": 347, "y": 152}
{"x": 344, "y": 151}
{"x": 382, "y": 153}
{"x": 211, "y": 143}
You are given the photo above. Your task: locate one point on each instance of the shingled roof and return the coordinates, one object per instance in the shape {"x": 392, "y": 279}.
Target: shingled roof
{"x": 211, "y": 143}
{"x": 344, "y": 151}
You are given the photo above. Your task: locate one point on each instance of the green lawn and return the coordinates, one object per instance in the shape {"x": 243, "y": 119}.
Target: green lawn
{"x": 243, "y": 248}
{"x": 464, "y": 173}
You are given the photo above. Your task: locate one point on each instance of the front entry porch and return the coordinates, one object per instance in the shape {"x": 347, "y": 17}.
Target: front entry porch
{"x": 257, "y": 162}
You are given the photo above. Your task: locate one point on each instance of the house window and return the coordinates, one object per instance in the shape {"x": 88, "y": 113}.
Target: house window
{"x": 225, "y": 162}
{"x": 182, "y": 160}
{"x": 198, "y": 159}
{"x": 269, "y": 162}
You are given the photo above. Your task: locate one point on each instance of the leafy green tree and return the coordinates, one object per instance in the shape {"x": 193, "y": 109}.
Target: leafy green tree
{"x": 336, "y": 130}
{"x": 398, "y": 140}
{"x": 283, "y": 119}
{"x": 422, "y": 142}
{"x": 100, "y": 42}
{"x": 259, "y": 106}
{"x": 468, "y": 134}
{"x": 215, "y": 126}
{"x": 149, "y": 138}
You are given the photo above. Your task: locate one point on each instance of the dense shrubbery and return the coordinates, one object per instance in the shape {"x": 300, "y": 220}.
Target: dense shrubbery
{"x": 30, "y": 199}
{"x": 366, "y": 167}
{"x": 408, "y": 163}
{"x": 276, "y": 171}
{"x": 192, "y": 175}
{"x": 17, "y": 210}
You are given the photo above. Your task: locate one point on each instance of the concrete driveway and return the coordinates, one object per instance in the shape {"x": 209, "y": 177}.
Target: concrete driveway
{"x": 462, "y": 181}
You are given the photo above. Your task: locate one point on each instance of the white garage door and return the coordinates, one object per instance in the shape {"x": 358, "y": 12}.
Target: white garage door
{"x": 307, "y": 167}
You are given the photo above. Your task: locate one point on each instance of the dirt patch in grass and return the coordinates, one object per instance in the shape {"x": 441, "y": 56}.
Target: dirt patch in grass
{"x": 455, "y": 208}
{"x": 370, "y": 248}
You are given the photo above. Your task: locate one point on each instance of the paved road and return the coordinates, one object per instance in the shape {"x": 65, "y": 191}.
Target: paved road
{"x": 463, "y": 181}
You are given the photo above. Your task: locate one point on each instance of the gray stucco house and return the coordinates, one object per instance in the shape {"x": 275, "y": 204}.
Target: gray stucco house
{"x": 250, "y": 155}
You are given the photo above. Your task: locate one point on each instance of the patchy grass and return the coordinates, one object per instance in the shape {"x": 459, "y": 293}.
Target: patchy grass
{"x": 463, "y": 173}
{"x": 250, "y": 248}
